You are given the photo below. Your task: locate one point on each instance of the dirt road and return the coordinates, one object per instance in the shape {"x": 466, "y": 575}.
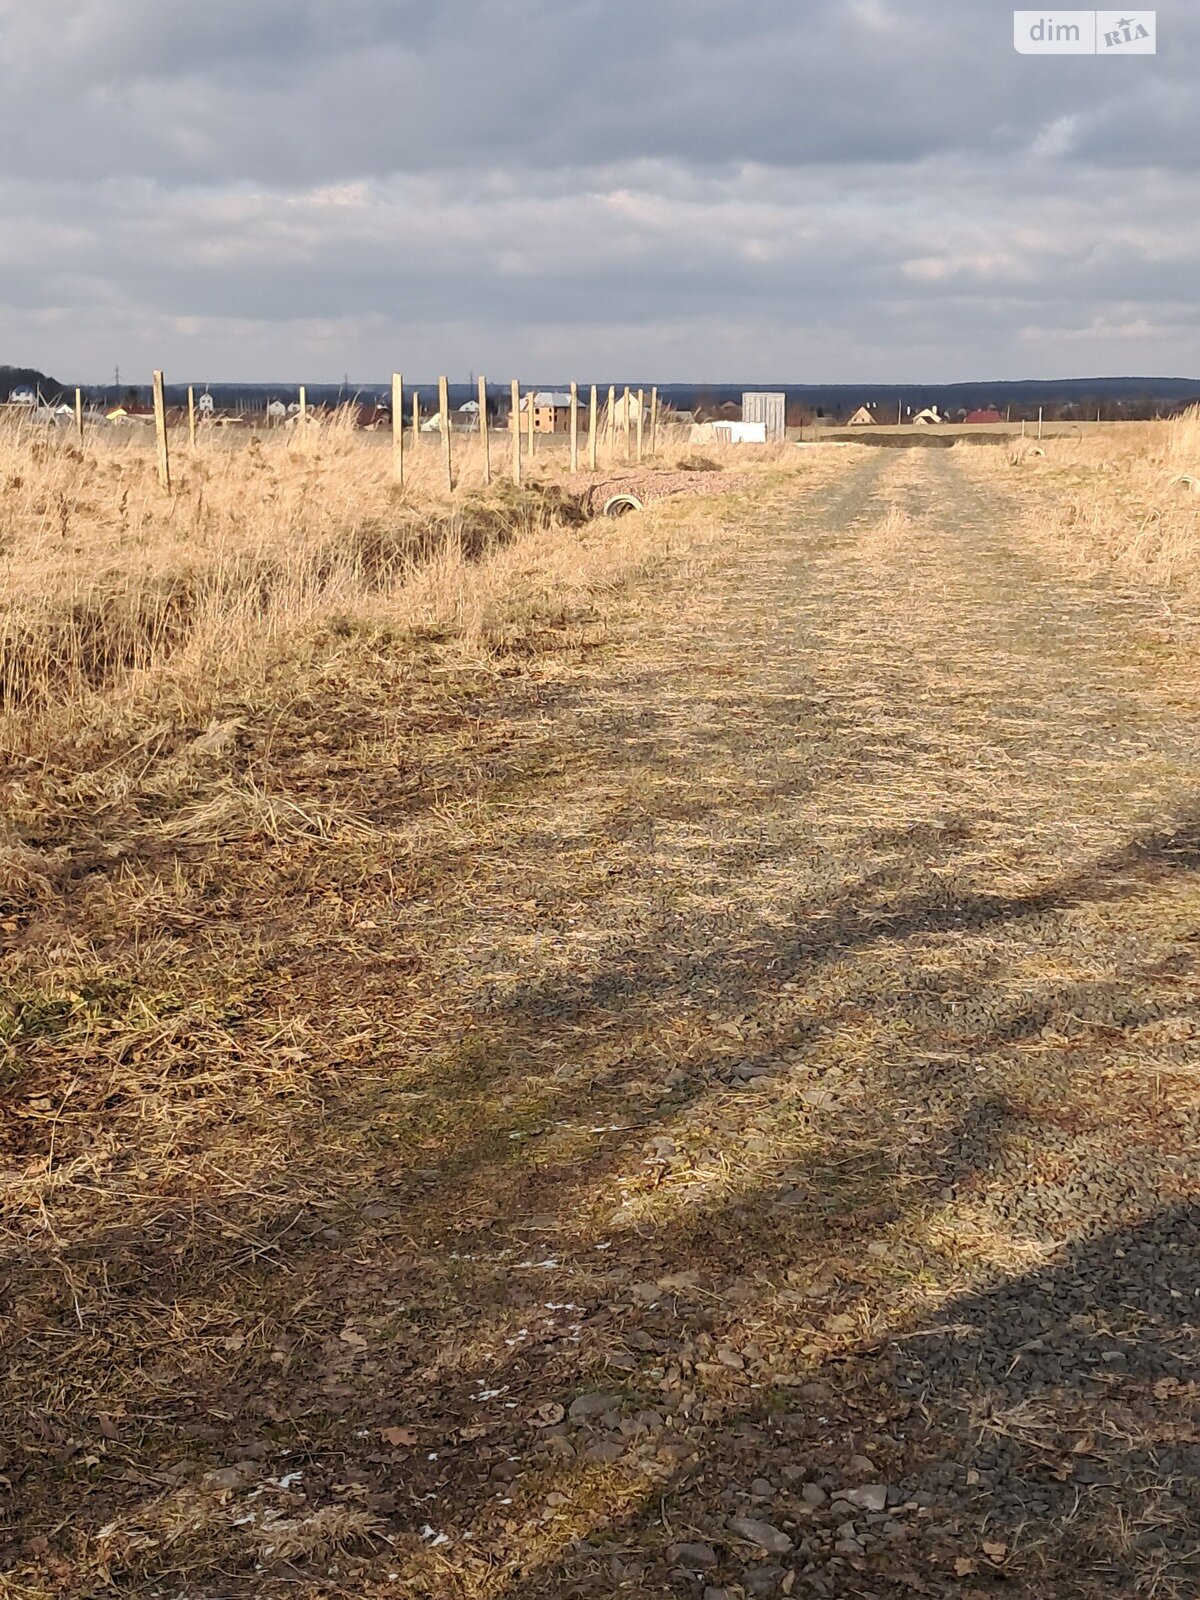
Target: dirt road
{"x": 769, "y": 1160}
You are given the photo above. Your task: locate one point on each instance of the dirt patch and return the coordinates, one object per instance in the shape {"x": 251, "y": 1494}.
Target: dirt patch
{"x": 657, "y": 484}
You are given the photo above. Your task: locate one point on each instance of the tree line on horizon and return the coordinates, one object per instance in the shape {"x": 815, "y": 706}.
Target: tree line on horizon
{"x": 1116, "y": 399}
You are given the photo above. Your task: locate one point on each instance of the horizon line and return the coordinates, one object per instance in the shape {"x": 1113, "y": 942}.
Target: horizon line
{"x": 661, "y": 383}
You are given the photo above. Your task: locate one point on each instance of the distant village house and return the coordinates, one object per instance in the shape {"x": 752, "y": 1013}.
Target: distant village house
{"x": 551, "y": 411}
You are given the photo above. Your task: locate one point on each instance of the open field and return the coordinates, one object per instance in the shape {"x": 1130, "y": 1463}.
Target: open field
{"x": 546, "y": 1057}
{"x": 980, "y": 431}
{"x": 114, "y": 591}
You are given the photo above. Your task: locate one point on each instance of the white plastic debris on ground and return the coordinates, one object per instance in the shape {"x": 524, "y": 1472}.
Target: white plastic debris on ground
{"x": 729, "y": 433}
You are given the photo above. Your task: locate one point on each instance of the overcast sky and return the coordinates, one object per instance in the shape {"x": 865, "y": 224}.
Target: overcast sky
{"x": 674, "y": 190}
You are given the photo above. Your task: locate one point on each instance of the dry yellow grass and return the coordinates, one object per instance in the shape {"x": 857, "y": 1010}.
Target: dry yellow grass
{"x": 132, "y": 622}
{"x": 141, "y": 633}
{"x": 1122, "y": 497}
{"x": 109, "y": 586}
{"x": 682, "y": 965}
{"x": 108, "y": 583}
{"x": 241, "y": 726}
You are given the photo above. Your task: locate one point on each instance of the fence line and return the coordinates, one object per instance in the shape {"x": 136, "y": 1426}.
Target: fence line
{"x": 639, "y": 431}
{"x": 444, "y": 427}
{"x": 398, "y": 427}
{"x": 160, "y": 428}
{"x": 484, "y": 433}
{"x": 515, "y": 424}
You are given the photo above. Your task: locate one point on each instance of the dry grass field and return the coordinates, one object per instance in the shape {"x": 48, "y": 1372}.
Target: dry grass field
{"x": 1123, "y": 498}
{"x": 545, "y": 1056}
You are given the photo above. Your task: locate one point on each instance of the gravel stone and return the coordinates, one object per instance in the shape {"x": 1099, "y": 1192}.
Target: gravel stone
{"x": 694, "y": 1555}
{"x": 872, "y": 1497}
{"x": 588, "y": 1406}
{"x": 763, "y": 1534}
{"x": 763, "y": 1581}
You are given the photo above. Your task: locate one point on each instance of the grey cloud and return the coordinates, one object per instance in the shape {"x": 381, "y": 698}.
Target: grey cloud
{"x": 826, "y": 190}
{"x": 305, "y": 91}
{"x": 950, "y": 252}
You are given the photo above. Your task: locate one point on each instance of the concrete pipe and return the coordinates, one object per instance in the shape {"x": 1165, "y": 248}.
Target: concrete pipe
{"x": 620, "y": 504}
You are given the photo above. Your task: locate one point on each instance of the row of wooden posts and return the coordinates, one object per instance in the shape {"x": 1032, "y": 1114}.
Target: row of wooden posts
{"x": 633, "y": 432}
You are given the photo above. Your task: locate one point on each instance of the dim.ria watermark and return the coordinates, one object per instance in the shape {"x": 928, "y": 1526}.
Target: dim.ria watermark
{"x": 1086, "y": 33}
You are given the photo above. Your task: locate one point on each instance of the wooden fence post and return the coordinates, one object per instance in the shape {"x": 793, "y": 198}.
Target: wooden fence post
{"x": 1040, "y": 412}
{"x": 192, "y": 415}
{"x": 592, "y": 440}
{"x": 654, "y": 422}
{"x": 611, "y": 429}
{"x": 574, "y": 428}
{"x": 625, "y": 425}
{"x": 79, "y": 414}
{"x": 416, "y": 438}
{"x": 398, "y": 427}
{"x": 160, "y": 428}
{"x": 303, "y": 412}
{"x": 529, "y": 401}
{"x": 483, "y": 433}
{"x": 641, "y": 409}
{"x": 444, "y": 420}
{"x": 515, "y": 424}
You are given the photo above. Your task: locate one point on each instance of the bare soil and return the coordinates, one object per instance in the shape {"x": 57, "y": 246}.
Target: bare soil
{"x": 716, "y": 1117}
